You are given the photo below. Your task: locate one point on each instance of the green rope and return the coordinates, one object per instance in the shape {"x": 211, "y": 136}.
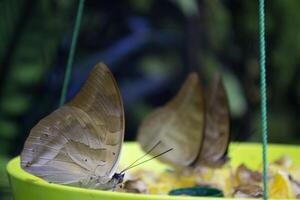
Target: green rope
{"x": 71, "y": 53}
{"x": 263, "y": 94}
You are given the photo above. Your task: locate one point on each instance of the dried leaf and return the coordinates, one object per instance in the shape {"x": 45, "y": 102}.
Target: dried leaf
{"x": 246, "y": 176}
{"x": 135, "y": 186}
{"x": 248, "y": 191}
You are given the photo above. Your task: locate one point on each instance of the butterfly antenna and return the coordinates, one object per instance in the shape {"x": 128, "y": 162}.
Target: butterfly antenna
{"x": 147, "y": 160}
{"x": 149, "y": 151}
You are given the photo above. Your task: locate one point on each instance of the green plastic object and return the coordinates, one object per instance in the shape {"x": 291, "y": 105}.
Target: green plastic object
{"x": 197, "y": 191}
{"x": 28, "y": 187}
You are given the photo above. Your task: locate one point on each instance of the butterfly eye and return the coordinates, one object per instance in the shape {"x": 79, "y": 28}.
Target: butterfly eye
{"x": 85, "y": 160}
{"x": 28, "y": 164}
{"x": 114, "y": 153}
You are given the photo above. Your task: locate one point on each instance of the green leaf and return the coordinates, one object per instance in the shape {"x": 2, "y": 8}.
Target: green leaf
{"x": 198, "y": 191}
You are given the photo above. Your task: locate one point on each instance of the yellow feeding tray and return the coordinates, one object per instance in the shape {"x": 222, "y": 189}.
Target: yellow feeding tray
{"x": 28, "y": 187}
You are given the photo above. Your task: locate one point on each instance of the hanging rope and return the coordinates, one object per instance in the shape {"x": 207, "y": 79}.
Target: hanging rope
{"x": 263, "y": 93}
{"x": 71, "y": 53}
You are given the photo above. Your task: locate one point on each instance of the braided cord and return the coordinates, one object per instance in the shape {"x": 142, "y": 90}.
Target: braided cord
{"x": 71, "y": 53}
{"x": 263, "y": 90}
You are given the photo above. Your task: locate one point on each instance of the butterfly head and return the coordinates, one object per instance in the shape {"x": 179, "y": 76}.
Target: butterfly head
{"x": 112, "y": 183}
{"x": 118, "y": 177}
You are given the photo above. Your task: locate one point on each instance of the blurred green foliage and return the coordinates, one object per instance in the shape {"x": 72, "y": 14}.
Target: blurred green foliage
{"x": 30, "y": 32}
{"x": 4, "y": 186}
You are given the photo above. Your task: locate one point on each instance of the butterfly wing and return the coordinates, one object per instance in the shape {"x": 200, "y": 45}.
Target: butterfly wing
{"x": 82, "y": 138}
{"x": 217, "y": 133}
{"x": 177, "y": 125}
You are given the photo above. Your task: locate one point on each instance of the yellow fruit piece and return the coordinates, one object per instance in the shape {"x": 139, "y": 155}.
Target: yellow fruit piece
{"x": 274, "y": 168}
{"x": 222, "y": 179}
{"x": 280, "y": 186}
{"x": 160, "y": 188}
{"x": 208, "y": 174}
{"x": 186, "y": 181}
{"x": 295, "y": 172}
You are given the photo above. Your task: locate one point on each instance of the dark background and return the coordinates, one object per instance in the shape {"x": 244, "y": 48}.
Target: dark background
{"x": 150, "y": 46}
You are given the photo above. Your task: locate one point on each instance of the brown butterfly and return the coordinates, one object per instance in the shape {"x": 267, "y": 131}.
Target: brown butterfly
{"x": 197, "y": 128}
{"x": 79, "y": 143}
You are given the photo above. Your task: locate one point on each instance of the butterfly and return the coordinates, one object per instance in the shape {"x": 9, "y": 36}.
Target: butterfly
{"x": 79, "y": 144}
{"x": 196, "y": 127}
